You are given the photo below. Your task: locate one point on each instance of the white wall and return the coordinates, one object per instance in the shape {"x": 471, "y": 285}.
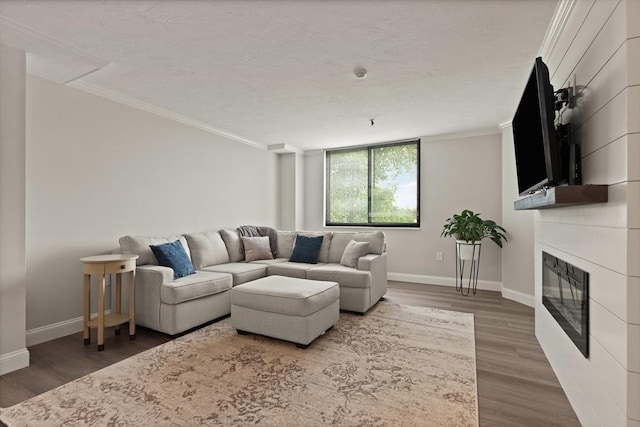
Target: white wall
{"x": 287, "y": 191}
{"x": 517, "y": 257}
{"x": 98, "y": 170}
{"x": 299, "y": 192}
{"x": 291, "y": 191}
{"x": 600, "y": 45}
{"x": 456, "y": 174}
{"x": 13, "y": 273}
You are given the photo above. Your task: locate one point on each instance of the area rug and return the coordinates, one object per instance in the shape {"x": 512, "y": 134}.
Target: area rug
{"x": 396, "y": 365}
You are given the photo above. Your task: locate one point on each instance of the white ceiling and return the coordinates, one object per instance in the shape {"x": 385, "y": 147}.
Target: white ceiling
{"x": 281, "y": 72}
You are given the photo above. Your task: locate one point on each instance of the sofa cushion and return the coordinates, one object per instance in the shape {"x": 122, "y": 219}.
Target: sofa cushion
{"x": 241, "y": 271}
{"x": 306, "y": 249}
{"x": 285, "y": 243}
{"x": 290, "y": 269}
{"x": 256, "y": 248}
{"x": 173, "y": 255}
{"x": 353, "y": 252}
{"x": 233, "y": 243}
{"x": 194, "y": 286}
{"x": 340, "y": 240}
{"x": 323, "y": 256}
{"x": 270, "y": 261}
{"x": 139, "y": 245}
{"x": 207, "y": 248}
{"x": 346, "y": 276}
{"x": 285, "y": 295}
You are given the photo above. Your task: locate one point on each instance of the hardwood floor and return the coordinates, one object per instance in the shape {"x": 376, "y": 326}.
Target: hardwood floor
{"x": 516, "y": 385}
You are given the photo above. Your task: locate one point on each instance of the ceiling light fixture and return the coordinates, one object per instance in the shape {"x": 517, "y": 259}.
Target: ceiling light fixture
{"x": 360, "y": 73}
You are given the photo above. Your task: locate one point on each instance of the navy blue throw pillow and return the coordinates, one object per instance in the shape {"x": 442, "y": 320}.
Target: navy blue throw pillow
{"x": 174, "y": 256}
{"x": 306, "y": 249}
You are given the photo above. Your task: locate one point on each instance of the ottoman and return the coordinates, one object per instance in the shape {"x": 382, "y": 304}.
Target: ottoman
{"x": 287, "y": 308}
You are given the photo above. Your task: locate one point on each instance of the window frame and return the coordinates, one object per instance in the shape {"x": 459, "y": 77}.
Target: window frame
{"x": 370, "y": 149}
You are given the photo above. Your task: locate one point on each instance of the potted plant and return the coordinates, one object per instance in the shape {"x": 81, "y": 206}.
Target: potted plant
{"x": 469, "y": 230}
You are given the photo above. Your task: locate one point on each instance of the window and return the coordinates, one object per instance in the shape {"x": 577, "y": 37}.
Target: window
{"x": 377, "y": 185}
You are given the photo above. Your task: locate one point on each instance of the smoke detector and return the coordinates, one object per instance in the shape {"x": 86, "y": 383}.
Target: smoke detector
{"x": 360, "y": 73}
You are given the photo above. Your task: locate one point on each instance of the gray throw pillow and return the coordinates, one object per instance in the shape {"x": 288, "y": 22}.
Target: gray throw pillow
{"x": 256, "y": 248}
{"x": 353, "y": 252}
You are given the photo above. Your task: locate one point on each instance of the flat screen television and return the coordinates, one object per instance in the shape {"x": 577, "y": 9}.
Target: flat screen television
{"x": 537, "y": 146}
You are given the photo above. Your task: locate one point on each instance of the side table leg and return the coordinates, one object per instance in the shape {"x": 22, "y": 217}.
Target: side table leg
{"x": 132, "y": 304}
{"x": 86, "y": 334}
{"x": 118, "y": 299}
{"x": 101, "y": 289}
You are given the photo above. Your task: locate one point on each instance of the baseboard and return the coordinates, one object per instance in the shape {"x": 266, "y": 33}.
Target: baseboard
{"x": 56, "y": 330}
{"x": 520, "y": 297}
{"x": 13, "y": 361}
{"x": 487, "y": 285}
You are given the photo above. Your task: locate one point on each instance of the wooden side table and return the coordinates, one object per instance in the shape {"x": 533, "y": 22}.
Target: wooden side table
{"x": 103, "y": 265}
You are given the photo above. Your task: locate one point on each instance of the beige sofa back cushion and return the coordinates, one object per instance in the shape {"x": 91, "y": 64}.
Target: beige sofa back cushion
{"x": 340, "y": 241}
{"x": 139, "y": 245}
{"x": 207, "y": 248}
{"x": 285, "y": 243}
{"x": 233, "y": 243}
{"x": 323, "y": 256}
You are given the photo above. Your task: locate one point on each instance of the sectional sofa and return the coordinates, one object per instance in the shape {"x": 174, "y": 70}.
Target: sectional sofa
{"x": 173, "y": 305}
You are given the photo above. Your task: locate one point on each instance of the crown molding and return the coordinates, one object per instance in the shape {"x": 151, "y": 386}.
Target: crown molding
{"x": 460, "y": 135}
{"x": 20, "y": 36}
{"x": 32, "y": 41}
{"x": 150, "y": 108}
{"x": 505, "y": 123}
{"x": 428, "y": 138}
{"x": 314, "y": 152}
{"x": 556, "y": 27}
{"x": 284, "y": 149}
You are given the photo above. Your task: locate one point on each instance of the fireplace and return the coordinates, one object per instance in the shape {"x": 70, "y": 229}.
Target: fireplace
{"x": 565, "y": 293}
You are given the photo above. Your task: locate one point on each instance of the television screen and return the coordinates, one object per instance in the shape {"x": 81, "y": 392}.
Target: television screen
{"x": 537, "y": 150}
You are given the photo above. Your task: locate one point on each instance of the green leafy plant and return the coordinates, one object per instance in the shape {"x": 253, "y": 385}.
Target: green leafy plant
{"x": 468, "y": 226}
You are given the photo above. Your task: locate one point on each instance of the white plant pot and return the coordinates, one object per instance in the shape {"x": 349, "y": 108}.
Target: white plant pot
{"x": 467, "y": 251}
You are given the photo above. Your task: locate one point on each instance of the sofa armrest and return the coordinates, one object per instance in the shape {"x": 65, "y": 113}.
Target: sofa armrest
{"x": 377, "y": 266}
{"x": 149, "y": 280}
{"x": 366, "y": 262}
{"x": 154, "y": 274}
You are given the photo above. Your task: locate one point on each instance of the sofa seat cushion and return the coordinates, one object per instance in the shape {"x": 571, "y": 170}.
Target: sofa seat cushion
{"x": 346, "y": 276}
{"x": 270, "y": 261}
{"x": 194, "y": 286}
{"x": 241, "y": 271}
{"x": 290, "y": 269}
{"x": 286, "y": 295}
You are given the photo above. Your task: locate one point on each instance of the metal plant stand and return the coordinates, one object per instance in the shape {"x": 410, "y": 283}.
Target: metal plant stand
{"x": 467, "y": 253}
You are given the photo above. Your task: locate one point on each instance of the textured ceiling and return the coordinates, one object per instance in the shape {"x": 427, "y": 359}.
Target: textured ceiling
{"x": 281, "y": 72}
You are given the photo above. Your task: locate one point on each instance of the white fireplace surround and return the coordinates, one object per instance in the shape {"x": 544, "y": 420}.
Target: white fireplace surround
{"x": 599, "y": 48}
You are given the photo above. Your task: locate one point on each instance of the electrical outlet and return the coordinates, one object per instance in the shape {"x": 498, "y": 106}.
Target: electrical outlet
{"x": 438, "y": 256}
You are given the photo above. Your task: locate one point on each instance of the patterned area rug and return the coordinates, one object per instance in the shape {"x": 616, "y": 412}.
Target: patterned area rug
{"x": 397, "y": 365}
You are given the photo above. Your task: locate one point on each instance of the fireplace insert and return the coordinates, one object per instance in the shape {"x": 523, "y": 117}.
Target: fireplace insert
{"x": 565, "y": 293}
